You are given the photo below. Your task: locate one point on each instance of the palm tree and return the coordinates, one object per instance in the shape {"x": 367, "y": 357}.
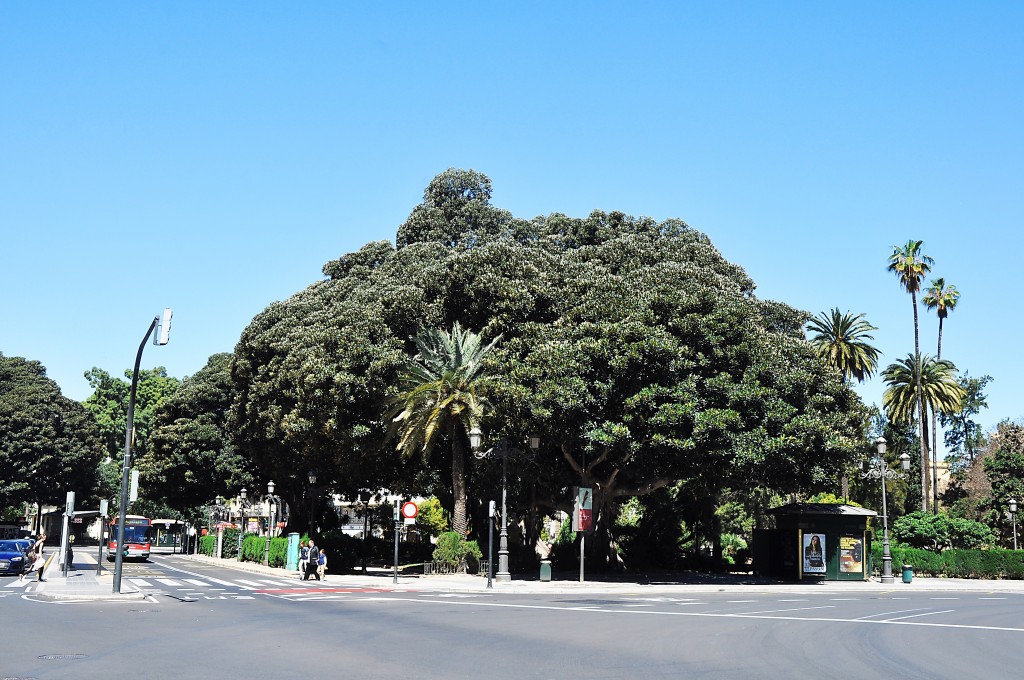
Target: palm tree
{"x": 440, "y": 398}
{"x": 942, "y": 299}
{"x": 910, "y": 266}
{"x": 841, "y": 340}
{"x": 916, "y": 384}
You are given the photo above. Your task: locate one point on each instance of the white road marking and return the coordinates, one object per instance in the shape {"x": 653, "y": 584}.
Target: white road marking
{"x": 168, "y": 581}
{"x": 793, "y": 609}
{"x": 911, "y": 616}
{"x": 993, "y": 598}
{"x": 196, "y": 582}
{"x": 248, "y": 585}
{"x": 901, "y": 611}
{"x": 140, "y": 582}
{"x": 660, "y": 612}
{"x": 740, "y": 601}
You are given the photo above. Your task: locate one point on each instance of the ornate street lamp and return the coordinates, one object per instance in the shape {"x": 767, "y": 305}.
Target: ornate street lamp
{"x": 312, "y": 482}
{"x": 878, "y": 469}
{"x": 273, "y": 502}
{"x": 503, "y": 450}
{"x": 243, "y": 510}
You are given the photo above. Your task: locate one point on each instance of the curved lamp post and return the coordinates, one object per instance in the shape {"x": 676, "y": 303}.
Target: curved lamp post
{"x": 162, "y": 336}
{"x": 274, "y": 502}
{"x": 879, "y": 470}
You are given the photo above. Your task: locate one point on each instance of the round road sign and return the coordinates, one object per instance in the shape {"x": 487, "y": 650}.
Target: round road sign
{"x": 409, "y": 510}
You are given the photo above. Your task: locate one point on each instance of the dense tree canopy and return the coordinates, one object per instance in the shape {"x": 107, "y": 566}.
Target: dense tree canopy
{"x": 49, "y": 444}
{"x": 640, "y": 355}
{"x": 191, "y": 457}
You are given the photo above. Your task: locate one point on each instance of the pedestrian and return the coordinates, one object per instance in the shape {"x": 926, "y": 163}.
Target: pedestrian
{"x": 312, "y": 562}
{"x": 30, "y": 564}
{"x": 40, "y": 563}
{"x": 70, "y": 558}
{"x": 303, "y": 557}
{"x": 321, "y": 569}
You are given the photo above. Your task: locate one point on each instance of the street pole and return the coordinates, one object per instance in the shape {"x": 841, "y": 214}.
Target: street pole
{"x": 490, "y": 541}
{"x": 886, "y": 556}
{"x": 243, "y": 510}
{"x": 503, "y": 575}
{"x": 1013, "y": 518}
{"x": 127, "y": 467}
{"x": 878, "y": 468}
{"x": 397, "y": 529}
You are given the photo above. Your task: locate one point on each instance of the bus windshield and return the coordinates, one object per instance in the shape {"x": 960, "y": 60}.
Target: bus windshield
{"x": 135, "y": 534}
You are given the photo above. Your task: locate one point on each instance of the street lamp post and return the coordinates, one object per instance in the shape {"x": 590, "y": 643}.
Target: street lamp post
{"x": 879, "y": 469}
{"x": 312, "y": 482}
{"x": 503, "y": 450}
{"x": 1013, "y": 517}
{"x": 219, "y": 510}
{"x": 243, "y": 510}
{"x": 161, "y": 338}
{"x": 273, "y": 502}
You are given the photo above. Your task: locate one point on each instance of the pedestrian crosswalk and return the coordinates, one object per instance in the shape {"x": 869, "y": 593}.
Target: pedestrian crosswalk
{"x": 209, "y": 588}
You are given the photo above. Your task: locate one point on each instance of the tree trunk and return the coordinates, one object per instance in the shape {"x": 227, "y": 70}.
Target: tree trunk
{"x": 458, "y": 484}
{"x": 935, "y": 438}
{"x": 922, "y": 414}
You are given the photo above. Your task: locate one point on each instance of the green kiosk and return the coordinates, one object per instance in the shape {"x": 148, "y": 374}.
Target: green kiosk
{"x": 816, "y": 541}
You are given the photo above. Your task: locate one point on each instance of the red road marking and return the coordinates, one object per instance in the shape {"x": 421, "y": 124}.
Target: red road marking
{"x": 291, "y": 591}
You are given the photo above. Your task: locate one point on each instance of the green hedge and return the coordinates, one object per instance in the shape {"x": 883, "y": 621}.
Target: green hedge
{"x": 254, "y": 546}
{"x": 995, "y": 563}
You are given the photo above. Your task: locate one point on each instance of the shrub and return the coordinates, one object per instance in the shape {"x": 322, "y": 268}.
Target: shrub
{"x": 253, "y": 548}
{"x": 453, "y": 552}
{"x": 995, "y": 563}
{"x": 941, "y": 532}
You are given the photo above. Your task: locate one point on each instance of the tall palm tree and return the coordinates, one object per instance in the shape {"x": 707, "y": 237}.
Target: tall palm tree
{"x": 920, "y": 380}
{"x": 440, "y": 398}
{"x": 910, "y": 266}
{"x": 942, "y": 299}
{"x": 841, "y": 340}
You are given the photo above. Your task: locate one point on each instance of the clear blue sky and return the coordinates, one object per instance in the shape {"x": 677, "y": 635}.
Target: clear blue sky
{"x": 211, "y": 157}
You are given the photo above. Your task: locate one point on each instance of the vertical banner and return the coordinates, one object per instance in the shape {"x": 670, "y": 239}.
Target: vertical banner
{"x": 814, "y": 553}
{"x": 583, "y": 512}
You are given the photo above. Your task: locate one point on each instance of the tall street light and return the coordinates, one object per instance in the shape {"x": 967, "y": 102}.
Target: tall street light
{"x": 161, "y": 338}
{"x": 273, "y": 503}
{"x": 878, "y": 469}
{"x": 1013, "y": 516}
{"x": 503, "y": 450}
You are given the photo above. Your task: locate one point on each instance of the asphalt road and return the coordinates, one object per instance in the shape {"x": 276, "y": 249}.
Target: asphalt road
{"x": 207, "y": 621}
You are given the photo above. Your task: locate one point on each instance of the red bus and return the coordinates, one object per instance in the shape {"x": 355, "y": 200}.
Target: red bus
{"x": 138, "y": 536}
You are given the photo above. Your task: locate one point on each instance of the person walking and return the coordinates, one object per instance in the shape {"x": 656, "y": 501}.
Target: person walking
{"x": 40, "y": 562}
{"x": 321, "y": 569}
{"x": 312, "y": 562}
{"x": 303, "y": 557}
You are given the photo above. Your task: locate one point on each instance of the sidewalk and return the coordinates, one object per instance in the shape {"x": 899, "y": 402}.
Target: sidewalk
{"x": 83, "y": 583}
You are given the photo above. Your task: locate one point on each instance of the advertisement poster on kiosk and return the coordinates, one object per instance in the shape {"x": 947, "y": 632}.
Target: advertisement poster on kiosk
{"x": 814, "y": 553}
